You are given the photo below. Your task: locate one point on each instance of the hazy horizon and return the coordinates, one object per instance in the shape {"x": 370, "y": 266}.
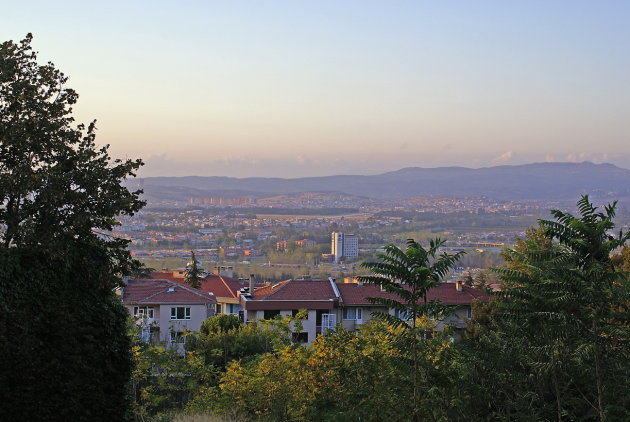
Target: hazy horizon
{"x": 379, "y": 172}
{"x": 294, "y": 89}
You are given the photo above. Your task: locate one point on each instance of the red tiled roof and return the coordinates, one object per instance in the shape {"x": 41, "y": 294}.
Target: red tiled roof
{"x": 163, "y": 291}
{"x": 168, "y": 275}
{"x": 221, "y": 286}
{"x": 231, "y": 285}
{"x": 356, "y": 294}
{"x": 296, "y": 290}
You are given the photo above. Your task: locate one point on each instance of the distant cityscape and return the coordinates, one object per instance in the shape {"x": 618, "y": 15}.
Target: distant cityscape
{"x": 293, "y": 232}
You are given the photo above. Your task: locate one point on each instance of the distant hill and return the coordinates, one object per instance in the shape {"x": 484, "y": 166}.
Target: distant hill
{"x": 539, "y": 181}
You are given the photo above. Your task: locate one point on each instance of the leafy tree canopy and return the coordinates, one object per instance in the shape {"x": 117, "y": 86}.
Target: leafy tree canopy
{"x": 409, "y": 274}
{"x": 55, "y": 183}
{"x": 569, "y": 304}
{"x": 59, "y": 194}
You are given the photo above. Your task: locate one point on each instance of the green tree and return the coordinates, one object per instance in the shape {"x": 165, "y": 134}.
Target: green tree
{"x": 220, "y": 324}
{"x": 163, "y": 381}
{"x": 220, "y": 341}
{"x": 563, "y": 317}
{"x": 60, "y": 194}
{"x": 484, "y": 279}
{"x": 193, "y": 273}
{"x": 409, "y": 275}
{"x": 603, "y": 297}
{"x": 536, "y": 242}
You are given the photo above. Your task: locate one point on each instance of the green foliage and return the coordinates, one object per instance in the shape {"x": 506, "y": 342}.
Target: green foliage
{"x": 592, "y": 297}
{"x": 65, "y": 353}
{"x": 555, "y": 342}
{"x": 409, "y": 275}
{"x": 221, "y": 342}
{"x": 483, "y": 279}
{"x": 193, "y": 273}
{"x": 282, "y": 328}
{"x": 536, "y": 240}
{"x": 163, "y": 381}
{"x": 141, "y": 271}
{"x": 219, "y": 324}
{"x": 341, "y": 376}
{"x": 54, "y": 181}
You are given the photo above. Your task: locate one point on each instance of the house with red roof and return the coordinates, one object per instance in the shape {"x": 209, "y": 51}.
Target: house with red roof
{"x": 224, "y": 288}
{"x": 166, "y": 310}
{"x": 319, "y": 297}
{"x": 357, "y": 309}
{"x": 329, "y": 303}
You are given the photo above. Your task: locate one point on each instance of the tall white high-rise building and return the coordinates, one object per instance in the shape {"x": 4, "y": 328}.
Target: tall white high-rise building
{"x": 344, "y": 245}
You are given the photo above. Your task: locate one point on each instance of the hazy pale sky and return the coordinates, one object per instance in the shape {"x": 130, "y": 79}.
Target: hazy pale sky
{"x": 306, "y": 88}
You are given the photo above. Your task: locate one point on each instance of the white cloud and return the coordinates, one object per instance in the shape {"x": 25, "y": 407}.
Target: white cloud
{"x": 503, "y": 158}
{"x": 593, "y": 157}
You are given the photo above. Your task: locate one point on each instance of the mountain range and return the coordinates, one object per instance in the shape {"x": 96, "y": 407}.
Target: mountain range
{"x": 538, "y": 181}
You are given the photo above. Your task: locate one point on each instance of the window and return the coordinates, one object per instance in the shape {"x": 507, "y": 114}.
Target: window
{"x": 143, "y": 311}
{"x": 231, "y": 308}
{"x": 353, "y": 313}
{"x": 318, "y": 316}
{"x": 270, "y": 314}
{"x": 178, "y": 337}
{"x": 469, "y": 312}
{"x": 218, "y": 308}
{"x": 180, "y": 312}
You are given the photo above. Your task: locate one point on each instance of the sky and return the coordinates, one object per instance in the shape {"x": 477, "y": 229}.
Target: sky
{"x": 310, "y": 88}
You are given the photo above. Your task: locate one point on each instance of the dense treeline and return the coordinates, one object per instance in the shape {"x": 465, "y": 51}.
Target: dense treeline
{"x": 551, "y": 346}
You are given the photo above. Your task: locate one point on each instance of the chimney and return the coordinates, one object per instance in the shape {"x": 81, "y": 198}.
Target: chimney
{"x": 224, "y": 270}
{"x": 458, "y": 286}
{"x": 251, "y": 284}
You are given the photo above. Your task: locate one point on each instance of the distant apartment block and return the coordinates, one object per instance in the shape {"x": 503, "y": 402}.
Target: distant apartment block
{"x": 344, "y": 246}
{"x": 305, "y": 243}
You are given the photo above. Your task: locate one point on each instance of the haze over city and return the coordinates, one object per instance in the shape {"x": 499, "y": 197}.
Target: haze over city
{"x": 291, "y": 89}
